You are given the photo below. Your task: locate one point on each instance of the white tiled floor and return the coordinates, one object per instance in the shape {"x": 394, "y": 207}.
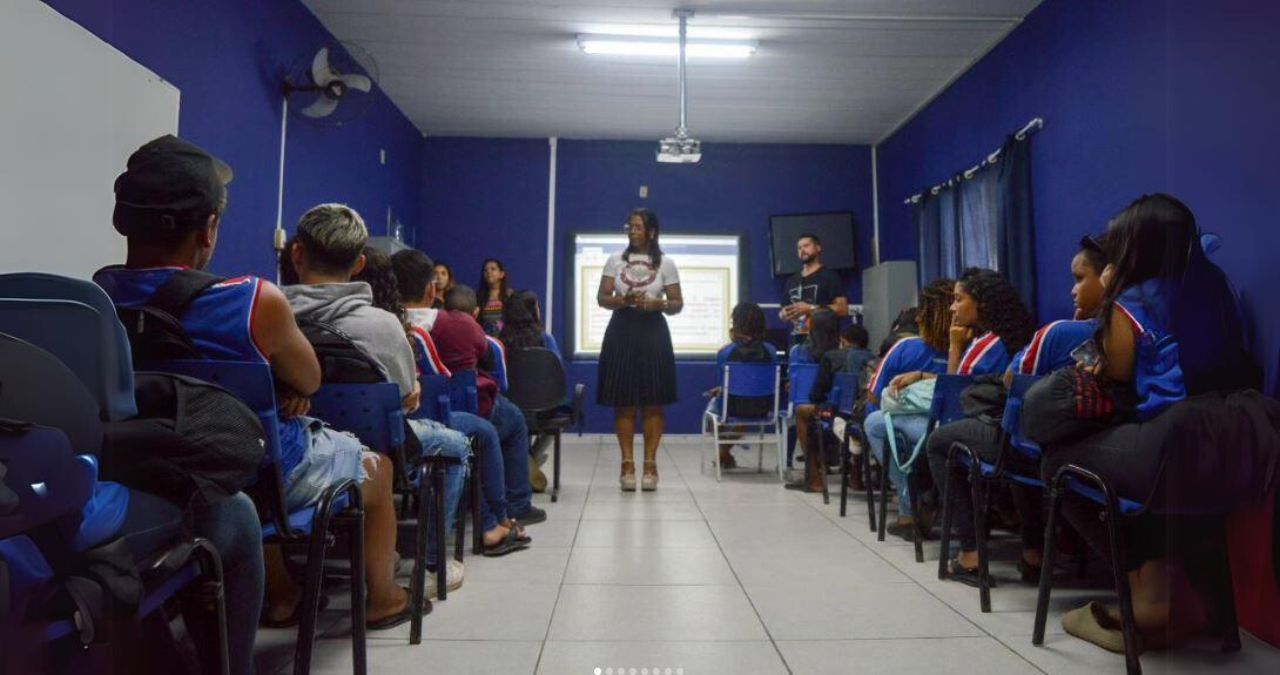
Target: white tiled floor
{"x": 735, "y": 577}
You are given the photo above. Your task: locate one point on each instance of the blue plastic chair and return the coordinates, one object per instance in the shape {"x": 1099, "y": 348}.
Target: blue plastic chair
{"x": 498, "y": 352}
{"x": 372, "y": 412}
{"x": 339, "y": 507}
{"x": 463, "y": 394}
{"x": 845, "y": 392}
{"x": 749, "y": 380}
{"x": 114, "y": 376}
{"x": 982, "y": 476}
{"x": 436, "y": 400}
{"x": 46, "y": 485}
{"x": 436, "y": 403}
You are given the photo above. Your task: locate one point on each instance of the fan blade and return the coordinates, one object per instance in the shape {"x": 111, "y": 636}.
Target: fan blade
{"x": 358, "y": 82}
{"x": 323, "y": 107}
{"x": 320, "y": 71}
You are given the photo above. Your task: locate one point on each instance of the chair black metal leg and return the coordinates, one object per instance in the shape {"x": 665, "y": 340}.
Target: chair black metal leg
{"x": 944, "y": 553}
{"x": 844, "y": 475}
{"x": 477, "y": 522}
{"x": 555, "y": 472}
{"x": 437, "y": 487}
{"x": 354, "y": 516}
{"x": 212, "y": 600}
{"x": 980, "y": 496}
{"x": 418, "y": 582}
{"x": 866, "y": 485}
{"x": 913, "y": 496}
{"x": 1046, "y": 568}
{"x": 884, "y": 492}
{"x": 311, "y": 591}
{"x": 1127, "y": 625}
{"x": 459, "y": 533}
{"x": 820, "y": 461}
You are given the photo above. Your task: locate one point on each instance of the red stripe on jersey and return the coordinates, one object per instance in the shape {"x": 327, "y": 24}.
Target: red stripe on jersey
{"x": 1031, "y": 358}
{"x": 433, "y": 355}
{"x": 502, "y": 352}
{"x": 1133, "y": 321}
{"x": 976, "y": 351}
{"x": 871, "y": 385}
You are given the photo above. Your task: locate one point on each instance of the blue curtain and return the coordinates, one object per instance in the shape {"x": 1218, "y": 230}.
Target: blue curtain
{"x": 984, "y": 220}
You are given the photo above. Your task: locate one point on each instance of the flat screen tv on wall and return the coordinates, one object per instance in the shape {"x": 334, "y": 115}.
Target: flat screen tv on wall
{"x": 835, "y": 229}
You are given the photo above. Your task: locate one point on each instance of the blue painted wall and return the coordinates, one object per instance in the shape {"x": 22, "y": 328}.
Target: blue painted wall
{"x": 488, "y": 197}
{"x": 1137, "y": 97}
{"x": 228, "y": 59}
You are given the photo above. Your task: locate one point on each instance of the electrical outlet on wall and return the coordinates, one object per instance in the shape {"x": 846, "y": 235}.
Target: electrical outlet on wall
{"x": 644, "y": 191}
{"x": 382, "y": 156}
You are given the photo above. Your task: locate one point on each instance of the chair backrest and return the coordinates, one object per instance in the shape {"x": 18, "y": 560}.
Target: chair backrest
{"x": 498, "y": 353}
{"x": 253, "y": 384}
{"x": 537, "y": 379}
{"x": 36, "y": 386}
{"x": 370, "y": 411}
{"x": 845, "y": 392}
{"x": 463, "y": 395}
{"x": 801, "y": 377}
{"x": 435, "y": 401}
{"x": 113, "y": 380}
{"x": 946, "y": 399}
{"x": 1011, "y": 421}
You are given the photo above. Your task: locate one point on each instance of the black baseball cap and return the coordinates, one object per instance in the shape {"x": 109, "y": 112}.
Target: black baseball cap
{"x": 165, "y": 180}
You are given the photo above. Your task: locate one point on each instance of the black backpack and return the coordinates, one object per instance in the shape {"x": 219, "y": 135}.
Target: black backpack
{"x": 342, "y": 361}
{"x": 155, "y": 329}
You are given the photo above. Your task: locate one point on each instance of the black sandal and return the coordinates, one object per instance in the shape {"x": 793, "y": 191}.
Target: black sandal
{"x": 393, "y": 620}
{"x": 509, "y": 544}
{"x": 967, "y": 576}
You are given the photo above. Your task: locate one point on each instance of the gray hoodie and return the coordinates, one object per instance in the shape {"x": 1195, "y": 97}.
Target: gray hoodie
{"x": 349, "y": 308}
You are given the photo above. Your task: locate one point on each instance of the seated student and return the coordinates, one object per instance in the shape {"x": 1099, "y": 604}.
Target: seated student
{"x": 522, "y": 329}
{"x": 169, "y": 206}
{"x": 825, "y": 348}
{"x": 1049, "y": 349}
{"x": 502, "y": 534}
{"x": 910, "y": 355}
{"x": 463, "y": 346}
{"x": 1169, "y": 328}
{"x": 858, "y": 360}
{"x": 746, "y": 345}
{"x": 329, "y": 249}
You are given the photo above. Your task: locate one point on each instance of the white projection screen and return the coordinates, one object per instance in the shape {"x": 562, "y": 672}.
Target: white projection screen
{"x": 709, "y": 275}
{"x": 73, "y": 109}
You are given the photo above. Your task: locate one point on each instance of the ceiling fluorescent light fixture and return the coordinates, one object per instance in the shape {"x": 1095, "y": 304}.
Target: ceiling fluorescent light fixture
{"x": 644, "y": 45}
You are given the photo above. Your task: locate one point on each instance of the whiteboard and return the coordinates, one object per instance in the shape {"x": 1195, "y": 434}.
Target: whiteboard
{"x": 708, "y": 267}
{"x": 74, "y": 108}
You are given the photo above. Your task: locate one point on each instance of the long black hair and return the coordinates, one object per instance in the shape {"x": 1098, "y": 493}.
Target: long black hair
{"x": 380, "y": 274}
{"x": 748, "y": 321}
{"x": 1000, "y": 308}
{"x": 522, "y": 322}
{"x": 824, "y": 334}
{"x": 503, "y": 289}
{"x": 650, "y": 227}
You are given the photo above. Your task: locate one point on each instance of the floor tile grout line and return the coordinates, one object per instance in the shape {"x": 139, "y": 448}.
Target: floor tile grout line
{"x": 922, "y": 587}
{"x": 542, "y": 647}
{"x": 756, "y": 610}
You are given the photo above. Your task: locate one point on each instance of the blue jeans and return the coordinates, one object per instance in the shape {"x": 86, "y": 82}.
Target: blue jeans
{"x": 910, "y": 426}
{"x": 232, "y": 526}
{"x": 493, "y": 506}
{"x": 513, "y": 432}
{"x": 440, "y": 441}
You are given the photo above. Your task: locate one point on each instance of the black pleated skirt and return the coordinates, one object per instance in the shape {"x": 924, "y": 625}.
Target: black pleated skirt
{"x": 637, "y": 362}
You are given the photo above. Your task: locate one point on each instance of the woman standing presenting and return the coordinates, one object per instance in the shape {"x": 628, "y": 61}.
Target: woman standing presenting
{"x": 637, "y": 362}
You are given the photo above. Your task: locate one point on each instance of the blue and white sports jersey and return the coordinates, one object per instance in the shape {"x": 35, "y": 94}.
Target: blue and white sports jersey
{"x": 986, "y": 355}
{"x": 1050, "y": 348}
{"x": 1157, "y": 371}
{"x": 906, "y": 356}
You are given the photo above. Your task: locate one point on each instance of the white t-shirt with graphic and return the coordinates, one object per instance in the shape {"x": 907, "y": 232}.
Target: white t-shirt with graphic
{"x": 639, "y": 274}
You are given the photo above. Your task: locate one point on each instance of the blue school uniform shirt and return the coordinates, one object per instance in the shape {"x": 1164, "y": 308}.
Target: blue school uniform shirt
{"x": 1050, "y": 348}
{"x": 986, "y": 355}
{"x": 220, "y": 324}
{"x": 1157, "y": 370}
{"x": 906, "y": 356}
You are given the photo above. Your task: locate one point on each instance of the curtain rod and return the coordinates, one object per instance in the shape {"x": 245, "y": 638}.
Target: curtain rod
{"x": 1034, "y": 125}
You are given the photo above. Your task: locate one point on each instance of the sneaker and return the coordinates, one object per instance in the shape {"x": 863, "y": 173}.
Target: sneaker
{"x": 452, "y": 578}
{"x": 533, "y": 515}
{"x": 537, "y": 479}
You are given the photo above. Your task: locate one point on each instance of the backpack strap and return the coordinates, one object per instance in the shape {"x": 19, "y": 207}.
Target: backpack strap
{"x": 175, "y": 294}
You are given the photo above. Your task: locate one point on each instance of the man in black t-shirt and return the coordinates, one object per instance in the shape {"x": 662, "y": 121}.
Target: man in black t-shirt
{"x": 814, "y": 286}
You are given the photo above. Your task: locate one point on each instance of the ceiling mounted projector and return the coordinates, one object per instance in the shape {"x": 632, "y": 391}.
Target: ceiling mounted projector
{"x": 681, "y": 148}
